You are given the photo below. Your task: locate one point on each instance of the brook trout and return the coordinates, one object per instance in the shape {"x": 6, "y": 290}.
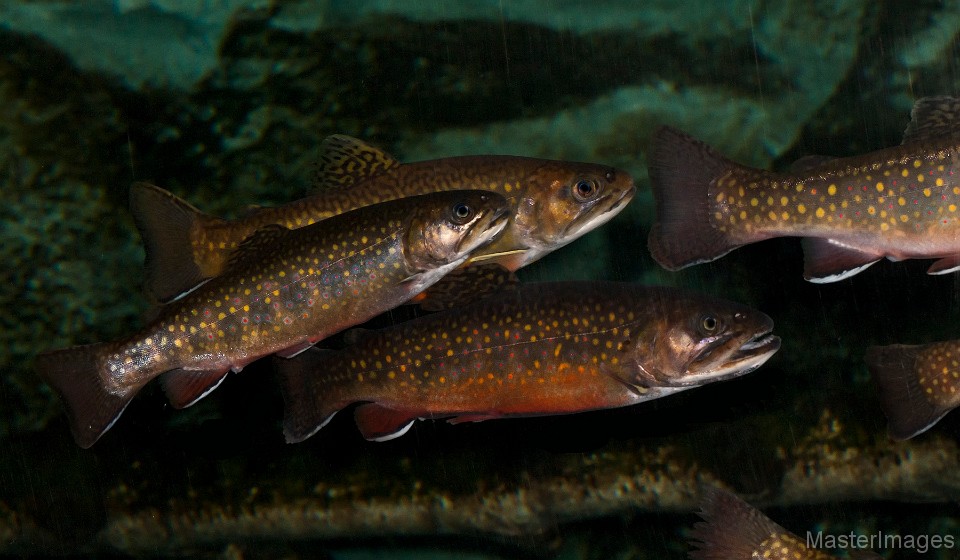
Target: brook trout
{"x": 918, "y": 384}
{"x": 899, "y": 203}
{"x": 537, "y": 350}
{"x": 284, "y": 291}
{"x": 552, "y": 203}
{"x": 732, "y": 529}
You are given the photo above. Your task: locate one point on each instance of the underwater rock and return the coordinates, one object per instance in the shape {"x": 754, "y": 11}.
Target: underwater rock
{"x": 580, "y": 488}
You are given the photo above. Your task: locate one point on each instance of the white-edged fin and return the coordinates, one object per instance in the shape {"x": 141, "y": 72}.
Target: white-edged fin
{"x": 184, "y": 388}
{"x": 828, "y": 260}
{"x": 291, "y": 437}
{"x": 380, "y": 423}
{"x": 295, "y": 350}
{"x": 396, "y": 434}
{"x": 946, "y": 265}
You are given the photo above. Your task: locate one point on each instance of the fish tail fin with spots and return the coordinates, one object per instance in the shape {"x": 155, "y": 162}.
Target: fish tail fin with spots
{"x": 166, "y": 223}
{"x": 682, "y": 169}
{"x": 731, "y": 528}
{"x": 306, "y": 406}
{"x": 896, "y": 370}
{"x": 74, "y": 374}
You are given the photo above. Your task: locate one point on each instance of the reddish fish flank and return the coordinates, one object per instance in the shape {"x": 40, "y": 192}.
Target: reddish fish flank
{"x": 541, "y": 349}
{"x": 918, "y": 384}
{"x": 552, "y": 203}
{"x": 285, "y": 290}
{"x": 899, "y": 203}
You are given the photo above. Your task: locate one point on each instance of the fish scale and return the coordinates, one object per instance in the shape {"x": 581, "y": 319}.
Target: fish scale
{"x": 284, "y": 290}
{"x": 899, "y": 203}
{"x": 539, "y": 349}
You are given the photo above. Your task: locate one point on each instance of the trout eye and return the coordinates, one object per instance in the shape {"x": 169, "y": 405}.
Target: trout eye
{"x": 585, "y": 189}
{"x": 709, "y": 324}
{"x": 461, "y": 212}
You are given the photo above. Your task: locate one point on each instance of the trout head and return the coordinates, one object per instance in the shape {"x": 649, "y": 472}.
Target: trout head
{"x": 447, "y": 227}
{"x": 557, "y": 203}
{"x": 697, "y": 340}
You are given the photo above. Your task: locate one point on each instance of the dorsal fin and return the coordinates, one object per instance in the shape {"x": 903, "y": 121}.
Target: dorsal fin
{"x": 933, "y": 117}
{"x": 264, "y": 238}
{"x": 345, "y": 161}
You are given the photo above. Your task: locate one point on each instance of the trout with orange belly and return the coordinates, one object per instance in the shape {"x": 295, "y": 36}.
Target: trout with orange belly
{"x": 539, "y": 350}
{"x": 284, "y": 290}
{"x": 552, "y": 203}
{"x": 899, "y": 203}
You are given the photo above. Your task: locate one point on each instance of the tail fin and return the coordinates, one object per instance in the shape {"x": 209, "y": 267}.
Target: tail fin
{"x": 681, "y": 171}
{"x": 732, "y": 528}
{"x": 91, "y": 408}
{"x": 165, "y": 223}
{"x": 305, "y": 398}
{"x": 898, "y": 370}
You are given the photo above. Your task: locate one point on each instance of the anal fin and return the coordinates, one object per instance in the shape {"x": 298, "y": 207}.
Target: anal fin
{"x": 380, "y": 423}
{"x": 184, "y": 387}
{"x": 827, "y": 260}
{"x": 946, "y": 265}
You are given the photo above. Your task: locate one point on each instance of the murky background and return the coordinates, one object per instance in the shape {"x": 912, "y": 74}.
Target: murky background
{"x": 225, "y": 104}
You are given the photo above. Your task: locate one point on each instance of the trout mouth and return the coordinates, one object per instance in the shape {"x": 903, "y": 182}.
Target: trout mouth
{"x": 600, "y": 212}
{"x": 725, "y": 359}
{"x": 484, "y": 235}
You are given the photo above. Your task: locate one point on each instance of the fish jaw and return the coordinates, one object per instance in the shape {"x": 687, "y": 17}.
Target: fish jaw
{"x": 701, "y": 341}
{"x": 438, "y": 237}
{"x": 551, "y": 215}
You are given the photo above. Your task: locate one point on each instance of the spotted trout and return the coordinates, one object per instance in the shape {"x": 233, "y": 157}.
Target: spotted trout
{"x": 552, "y": 203}
{"x": 918, "y": 384}
{"x": 538, "y": 350}
{"x": 900, "y": 202}
{"x": 732, "y": 529}
{"x": 284, "y": 290}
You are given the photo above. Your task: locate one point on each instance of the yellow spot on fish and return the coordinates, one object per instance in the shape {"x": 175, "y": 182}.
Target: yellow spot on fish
{"x": 754, "y": 201}
{"x": 905, "y": 173}
{"x": 901, "y": 201}
{"x": 920, "y": 178}
{"x": 820, "y": 212}
{"x": 832, "y": 190}
{"x": 952, "y": 208}
{"x": 784, "y": 201}
{"x": 772, "y": 215}
{"x": 871, "y": 210}
{"x": 926, "y": 192}
{"x": 801, "y": 208}
{"x": 904, "y": 217}
{"x": 939, "y": 183}
{"x": 880, "y": 187}
{"x": 884, "y": 226}
{"x": 917, "y": 163}
{"x": 785, "y": 216}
